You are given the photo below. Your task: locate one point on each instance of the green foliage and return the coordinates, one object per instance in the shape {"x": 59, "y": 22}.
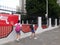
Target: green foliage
{"x": 54, "y": 9}
{"x": 35, "y": 7}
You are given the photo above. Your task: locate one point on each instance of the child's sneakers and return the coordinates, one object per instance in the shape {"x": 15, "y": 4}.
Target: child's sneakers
{"x": 30, "y": 37}
{"x": 35, "y": 37}
{"x": 17, "y": 39}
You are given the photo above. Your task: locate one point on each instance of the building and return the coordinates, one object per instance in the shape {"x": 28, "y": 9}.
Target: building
{"x": 58, "y": 1}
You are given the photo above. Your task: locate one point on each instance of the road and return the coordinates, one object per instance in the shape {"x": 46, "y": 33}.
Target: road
{"x": 51, "y": 37}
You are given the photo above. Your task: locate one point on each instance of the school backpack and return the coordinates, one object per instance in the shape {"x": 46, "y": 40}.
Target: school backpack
{"x": 17, "y": 28}
{"x": 31, "y": 26}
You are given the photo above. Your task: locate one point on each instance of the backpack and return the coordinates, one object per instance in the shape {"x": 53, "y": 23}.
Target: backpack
{"x": 17, "y": 28}
{"x": 31, "y": 26}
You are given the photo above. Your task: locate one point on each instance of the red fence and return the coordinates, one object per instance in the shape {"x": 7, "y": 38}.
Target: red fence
{"x": 26, "y": 28}
{"x": 5, "y": 30}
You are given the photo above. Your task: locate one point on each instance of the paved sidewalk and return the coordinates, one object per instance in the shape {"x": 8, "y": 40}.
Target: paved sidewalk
{"x": 51, "y": 37}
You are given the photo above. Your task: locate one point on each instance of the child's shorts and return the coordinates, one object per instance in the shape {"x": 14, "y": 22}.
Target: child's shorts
{"x": 18, "y": 32}
{"x": 32, "y": 31}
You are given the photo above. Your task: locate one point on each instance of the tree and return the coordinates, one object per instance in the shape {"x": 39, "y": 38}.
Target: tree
{"x": 35, "y": 7}
{"x": 54, "y": 9}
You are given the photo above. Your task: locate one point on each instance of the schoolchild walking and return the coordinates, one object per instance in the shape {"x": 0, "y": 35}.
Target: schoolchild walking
{"x": 32, "y": 31}
{"x": 17, "y": 30}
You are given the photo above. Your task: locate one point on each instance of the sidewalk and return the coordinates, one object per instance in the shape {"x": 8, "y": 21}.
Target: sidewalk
{"x": 51, "y": 37}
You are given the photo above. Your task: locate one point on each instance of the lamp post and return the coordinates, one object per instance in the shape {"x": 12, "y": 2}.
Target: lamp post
{"x": 47, "y": 11}
{"x": 59, "y": 20}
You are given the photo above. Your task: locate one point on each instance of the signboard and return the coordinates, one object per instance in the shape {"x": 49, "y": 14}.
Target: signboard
{"x": 9, "y": 18}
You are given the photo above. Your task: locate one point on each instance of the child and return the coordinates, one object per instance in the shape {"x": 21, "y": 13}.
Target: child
{"x": 17, "y": 29}
{"x": 33, "y": 31}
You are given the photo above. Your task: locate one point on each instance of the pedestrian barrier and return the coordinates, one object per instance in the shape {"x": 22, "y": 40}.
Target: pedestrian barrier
{"x": 6, "y": 21}
{"x": 44, "y": 26}
{"x": 26, "y": 28}
{"x": 5, "y": 30}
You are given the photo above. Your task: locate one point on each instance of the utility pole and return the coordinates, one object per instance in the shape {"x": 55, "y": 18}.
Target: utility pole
{"x": 47, "y": 11}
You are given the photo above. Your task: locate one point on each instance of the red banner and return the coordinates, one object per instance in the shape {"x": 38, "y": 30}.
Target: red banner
{"x": 8, "y": 18}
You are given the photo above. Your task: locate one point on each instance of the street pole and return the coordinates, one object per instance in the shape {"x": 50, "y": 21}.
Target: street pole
{"x": 47, "y": 11}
